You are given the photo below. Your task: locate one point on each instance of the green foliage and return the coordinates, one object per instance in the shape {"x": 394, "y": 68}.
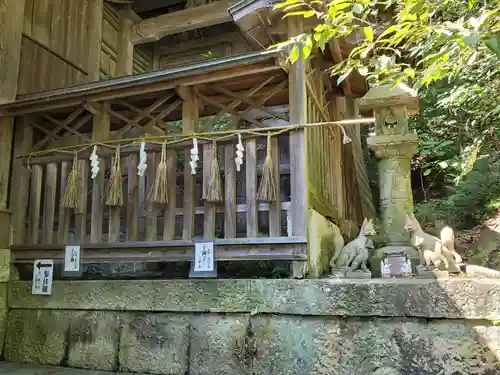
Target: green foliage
{"x": 474, "y": 198}
{"x": 396, "y": 40}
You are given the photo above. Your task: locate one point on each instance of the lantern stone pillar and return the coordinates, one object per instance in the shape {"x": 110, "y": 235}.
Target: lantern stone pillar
{"x": 393, "y": 145}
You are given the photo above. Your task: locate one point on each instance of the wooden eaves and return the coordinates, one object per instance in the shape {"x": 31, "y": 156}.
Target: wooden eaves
{"x": 122, "y": 87}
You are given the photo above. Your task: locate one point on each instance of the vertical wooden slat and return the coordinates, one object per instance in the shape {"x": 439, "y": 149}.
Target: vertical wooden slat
{"x": 64, "y": 214}
{"x": 49, "y": 203}
{"x": 34, "y": 204}
{"x": 230, "y": 192}
{"x": 11, "y": 28}
{"x": 23, "y": 140}
{"x": 169, "y": 213}
{"x": 132, "y": 198}
{"x": 251, "y": 187}
{"x": 209, "y": 211}
{"x": 298, "y": 147}
{"x": 190, "y": 118}
{"x": 275, "y": 207}
{"x": 6, "y": 133}
{"x": 125, "y": 50}
{"x": 81, "y": 211}
{"x": 28, "y": 17}
{"x": 151, "y": 209}
{"x": 100, "y": 131}
{"x": 94, "y": 38}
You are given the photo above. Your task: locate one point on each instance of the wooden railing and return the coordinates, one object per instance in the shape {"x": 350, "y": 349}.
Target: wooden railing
{"x": 240, "y": 214}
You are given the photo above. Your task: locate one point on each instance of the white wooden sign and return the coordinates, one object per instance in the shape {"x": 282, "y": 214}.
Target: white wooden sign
{"x": 72, "y": 259}
{"x": 204, "y": 257}
{"x": 43, "y": 273}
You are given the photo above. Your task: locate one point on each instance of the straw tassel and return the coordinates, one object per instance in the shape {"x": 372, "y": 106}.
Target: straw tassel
{"x": 213, "y": 190}
{"x": 160, "y": 186}
{"x": 114, "y": 195}
{"x": 267, "y": 188}
{"x": 70, "y": 199}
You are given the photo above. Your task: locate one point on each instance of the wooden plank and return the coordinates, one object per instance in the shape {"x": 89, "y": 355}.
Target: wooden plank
{"x": 242, "y": 249}
{"x": 64, "y": 214}
{"x": 153, "y": 29}
{"x": 19, "y": 194}
{"x": 190, "y": 119}
{"x": 275, "y": 207}
{"x": 170, "y": 209}
{"x": 229, "y": 191}
{"x": 34, "y": 204}
{"x": 94, "y": 38}
{"x": 6, "y": 133}
{"x": 209, "y": 212}
{"x": 251, "y": 187}
{"x": 151, "y": 209}
{"x": 125, "y": 50}
{"x": 81, "y": 210}
{"x": 28, "y": 17}
{"x": 49, "y": 203}
{"x": 298, "y": 148}
{"x": 11, "y": 28}
{"x": 100, "y": 132}
{"x": 132, "y": 197}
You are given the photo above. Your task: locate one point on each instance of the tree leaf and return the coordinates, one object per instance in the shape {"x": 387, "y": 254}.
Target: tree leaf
{"x": 357, "y": 8}
{"x": 368, "y": 33}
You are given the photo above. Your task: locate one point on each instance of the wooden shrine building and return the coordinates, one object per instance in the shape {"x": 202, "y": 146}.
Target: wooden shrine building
{"x": 84, "y": 73}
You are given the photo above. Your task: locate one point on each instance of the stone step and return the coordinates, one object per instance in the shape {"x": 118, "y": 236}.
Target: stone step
{"x": 7, "y": 368}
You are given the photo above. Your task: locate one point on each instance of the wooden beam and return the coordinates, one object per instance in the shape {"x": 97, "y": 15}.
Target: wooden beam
{"x": 11, "y": 29}
{"x": 125, "y": 54}
{"x": 190, "y": 120}
{"x": 6, "y": 132}
{"x": 337, "y": 57}
{"x": 23, "y": 140}
{"x": 298, "y": 165}
{"x": 96, "y": 15}
{"x": 153, "y": 29}
{"x": 147, "y": 5}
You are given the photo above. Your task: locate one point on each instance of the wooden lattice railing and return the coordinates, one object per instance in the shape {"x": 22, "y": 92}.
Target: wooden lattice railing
{"x": 185, "y": 216}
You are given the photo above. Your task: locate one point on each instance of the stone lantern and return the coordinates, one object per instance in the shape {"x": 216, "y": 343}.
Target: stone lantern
{"x": 393, "y": 145}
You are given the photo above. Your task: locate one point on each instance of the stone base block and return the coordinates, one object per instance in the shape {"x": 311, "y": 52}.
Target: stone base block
{"x": 358, "y": 275}
{"x": 94, "y": 340}
{"x": 433, "y": 274}
{"x": 155, "y": 344}
{"x": 338, "y": 273}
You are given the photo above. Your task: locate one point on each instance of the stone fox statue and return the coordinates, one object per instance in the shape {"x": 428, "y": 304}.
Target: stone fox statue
{"x": 355, "y": 254}
{"x": 433, "y": 249}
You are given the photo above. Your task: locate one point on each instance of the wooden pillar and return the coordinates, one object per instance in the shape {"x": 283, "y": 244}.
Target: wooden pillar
{"x": 96, "y": 15}
{"x": 190, "y": 118}
{"x": 23, "y": 141}
{"x": 298, "y": 150}
{"x": 11, "y": 28}
{"x": 100, "y": 132}
{"x": 6, "y": 129}
{"x": 125, "y": 54}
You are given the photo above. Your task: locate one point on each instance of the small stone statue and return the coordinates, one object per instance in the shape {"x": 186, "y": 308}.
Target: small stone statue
{"x": 354, "y": 255}
{"x": 432, "y": 250}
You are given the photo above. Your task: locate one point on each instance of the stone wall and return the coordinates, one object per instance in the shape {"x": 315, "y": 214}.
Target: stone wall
{"x": 268, "y": 327}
